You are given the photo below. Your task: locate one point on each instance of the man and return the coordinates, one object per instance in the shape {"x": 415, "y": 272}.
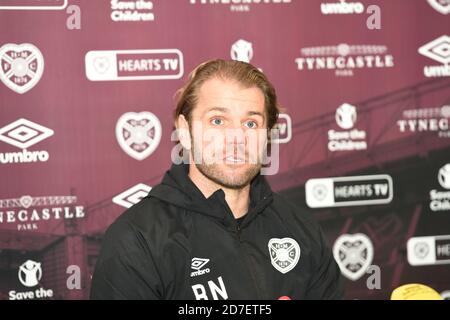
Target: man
{"x": 213, "y": 229}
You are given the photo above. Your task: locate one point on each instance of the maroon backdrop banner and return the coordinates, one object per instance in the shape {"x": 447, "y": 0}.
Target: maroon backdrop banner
{"x": 86, "y": 122}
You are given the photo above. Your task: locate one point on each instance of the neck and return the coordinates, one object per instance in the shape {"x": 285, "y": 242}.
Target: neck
{"x": 237, "y": 199}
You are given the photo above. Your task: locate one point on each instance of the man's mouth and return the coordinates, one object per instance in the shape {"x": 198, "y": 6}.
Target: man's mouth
{"x": 234, "y": 159}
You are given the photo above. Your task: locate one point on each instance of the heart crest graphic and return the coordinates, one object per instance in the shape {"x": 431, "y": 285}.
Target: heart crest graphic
{"x": 354, "y": 254}
{"x": 138, "y": 134}
{"x": 442, "y": 6}
{"x": 21, "y": 66}
{"x": 284, "y": 254}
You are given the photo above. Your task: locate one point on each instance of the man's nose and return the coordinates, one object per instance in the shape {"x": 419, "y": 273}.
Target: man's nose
{"x": 236, "y": 136}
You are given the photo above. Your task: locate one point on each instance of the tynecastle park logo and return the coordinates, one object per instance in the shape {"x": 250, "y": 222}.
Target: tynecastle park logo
{"x": 344, "y": 59}
{"x": 29, "y": 213}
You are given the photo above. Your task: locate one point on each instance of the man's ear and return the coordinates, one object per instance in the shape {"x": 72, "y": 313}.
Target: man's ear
{"x": 184, "y": 134}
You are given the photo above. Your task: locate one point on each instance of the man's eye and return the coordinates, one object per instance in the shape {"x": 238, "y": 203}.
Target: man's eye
{"x": 216, "y": 121}
{"x": 251, "y": 124}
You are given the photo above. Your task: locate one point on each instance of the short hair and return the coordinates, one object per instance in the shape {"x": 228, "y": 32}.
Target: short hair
{"x": 243, "y": 73}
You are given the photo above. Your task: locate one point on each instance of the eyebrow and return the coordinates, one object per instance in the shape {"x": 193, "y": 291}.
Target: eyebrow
{"x": 225, "y": 110}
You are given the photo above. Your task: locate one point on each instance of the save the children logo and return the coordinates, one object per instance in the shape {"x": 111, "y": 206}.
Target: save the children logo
{"x": 30, "y": 275}
{"x": 350, "y": 139}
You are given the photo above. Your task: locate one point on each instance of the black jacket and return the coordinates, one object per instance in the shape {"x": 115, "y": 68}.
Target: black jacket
{"x": 177, "y": 244}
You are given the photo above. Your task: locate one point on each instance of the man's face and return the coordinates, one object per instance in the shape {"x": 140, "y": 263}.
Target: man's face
{"x": 229, "y": 132}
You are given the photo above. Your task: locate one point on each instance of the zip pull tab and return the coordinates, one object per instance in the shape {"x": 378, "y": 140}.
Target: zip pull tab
{"x": 238, "y": 231}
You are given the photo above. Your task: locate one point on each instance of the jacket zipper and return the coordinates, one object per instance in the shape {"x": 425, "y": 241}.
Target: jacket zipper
{"x": 238, "y": 232}
{"x": 261, "y": 294}
{"x": 247, "y": 261}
